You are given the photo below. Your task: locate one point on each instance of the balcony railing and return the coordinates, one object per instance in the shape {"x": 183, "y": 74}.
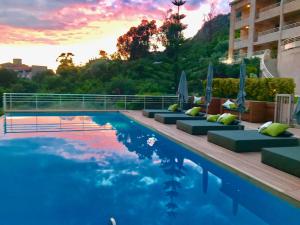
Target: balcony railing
{"x": 270, "y": 31}
{"x": 291, "y": 25}
{"x": 288, "y": 1}
{"x": 259, "y": 53}
{"x": 290, "y": 43}
{"x": 264, "y": 9}
{"x": 38, "y": 102}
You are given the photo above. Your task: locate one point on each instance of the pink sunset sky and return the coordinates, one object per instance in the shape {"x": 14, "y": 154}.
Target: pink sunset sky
{"x": 39, "y": 30}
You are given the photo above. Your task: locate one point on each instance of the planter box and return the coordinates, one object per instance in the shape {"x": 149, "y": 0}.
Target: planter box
{"x": 256, "y": 111}
{"x": 214, "y": 107}
{"x": 270, "y": 111}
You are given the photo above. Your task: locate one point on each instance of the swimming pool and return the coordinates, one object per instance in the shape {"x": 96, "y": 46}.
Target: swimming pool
{"x": 95, "y": 166}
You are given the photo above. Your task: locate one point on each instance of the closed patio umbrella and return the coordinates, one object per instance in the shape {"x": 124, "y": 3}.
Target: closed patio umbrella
{"x": 241, "y": 98}
{"x": 183, "y": 94}
{"x": 209, "y": 83}
{"x": 297, "y": 112}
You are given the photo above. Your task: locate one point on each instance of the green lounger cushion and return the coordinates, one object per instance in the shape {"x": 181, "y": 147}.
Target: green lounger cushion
{"x": 201, "y": 127}
{"x": 151, "y": 112}
{"x": 172, "y": 118}
{"x": 248, "y": 141}
{"x": 286, "y": 159}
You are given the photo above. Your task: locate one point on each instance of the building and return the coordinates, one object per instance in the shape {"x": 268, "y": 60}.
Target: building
{"x": 269, "y": 29}
{"x": 23, "y": 70}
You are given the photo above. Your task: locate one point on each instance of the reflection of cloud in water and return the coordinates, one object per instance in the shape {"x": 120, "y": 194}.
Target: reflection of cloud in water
{"x": 151, "y": 141}
{"x": 148, "y": 180}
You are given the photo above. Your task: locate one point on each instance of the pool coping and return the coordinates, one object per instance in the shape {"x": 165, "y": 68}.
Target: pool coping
{"x": 291, "y": 195}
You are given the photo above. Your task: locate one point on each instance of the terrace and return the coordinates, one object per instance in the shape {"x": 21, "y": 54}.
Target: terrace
{"x": 247, "y": 165}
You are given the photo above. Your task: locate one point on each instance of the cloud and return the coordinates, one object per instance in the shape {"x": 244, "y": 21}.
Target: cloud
{"x": 89, "y": 22}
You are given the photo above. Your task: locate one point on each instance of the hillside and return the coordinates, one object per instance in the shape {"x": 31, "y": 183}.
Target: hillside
{"x": 153, "y": 74}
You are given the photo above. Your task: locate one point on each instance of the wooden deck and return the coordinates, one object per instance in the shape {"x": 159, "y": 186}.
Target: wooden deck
{"x": 247, "y": 165}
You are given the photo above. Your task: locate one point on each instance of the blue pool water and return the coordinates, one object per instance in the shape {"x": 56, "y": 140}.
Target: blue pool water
{"x": 114, "y": 167}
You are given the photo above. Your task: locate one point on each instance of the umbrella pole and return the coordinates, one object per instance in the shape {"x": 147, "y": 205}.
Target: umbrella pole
{"x": 240, "y": 116}
{"x": 206, "y": 110}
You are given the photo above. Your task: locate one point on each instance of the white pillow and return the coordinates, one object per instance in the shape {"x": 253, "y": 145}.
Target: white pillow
{"x": 197, "y": 99}
{"x": 264, "y": 126}
{"x": 222, "y": 116}
{"x": 188, "y": 111}
{"x": 227, "y": 104}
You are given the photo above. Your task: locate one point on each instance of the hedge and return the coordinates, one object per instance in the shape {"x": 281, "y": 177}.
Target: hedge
{"x": 259, "y": 89}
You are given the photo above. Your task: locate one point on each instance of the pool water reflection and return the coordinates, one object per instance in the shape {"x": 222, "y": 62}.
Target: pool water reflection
{"x": 125, "y": 171}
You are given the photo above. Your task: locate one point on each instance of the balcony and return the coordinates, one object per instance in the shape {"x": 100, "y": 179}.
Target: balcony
{"x": 291, "y": 43}
{"x": 241, "y": 22}
{"x": 240, "y": 43}
{"x": 268, "y": 12}
{"x": 268, "y": 35}
{"x": 291, "y": 30}
{"x": 291, "y": 6}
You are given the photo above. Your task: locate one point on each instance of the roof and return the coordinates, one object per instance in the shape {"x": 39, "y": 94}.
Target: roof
{"x": 12, "y": 66}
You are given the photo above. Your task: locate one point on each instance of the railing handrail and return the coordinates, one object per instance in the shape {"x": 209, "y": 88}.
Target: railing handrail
{"x": 269, "y": 31}
{"x": 275, "y": 5}
{"x": 264, "y": 68}
{"x": 287, "y": 1}
{"x": 13, "y": 102}
{"x": 261, "y": 52}
{"x": 290, "y": 40}
{"x": 95, "y": 95}
{"x": 291, "y": 25}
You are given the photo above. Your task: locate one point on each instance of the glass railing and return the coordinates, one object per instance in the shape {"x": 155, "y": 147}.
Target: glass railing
{"x": 37, "y": 102}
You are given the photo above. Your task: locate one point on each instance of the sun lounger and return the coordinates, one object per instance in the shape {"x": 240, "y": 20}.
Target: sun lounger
{"x": 201, "y": 127}
{"x": 248, "y": 141}
{"x": 172, "y": 118}
{"x": 151, "y": 112}
{"x": 286, "y": 159}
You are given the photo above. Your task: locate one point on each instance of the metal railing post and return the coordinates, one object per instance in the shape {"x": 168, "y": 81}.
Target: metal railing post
{"x": 10, "y": 102}
{"x": 4, "y": 102}
{"x": 162, "y": 102}
{"x": 105, "y": 103}
{"x": 125, "y": 102}
{"x": 83, "y": 102}
{"x": 36, "y": 102}
{"x": 144, "y": 102}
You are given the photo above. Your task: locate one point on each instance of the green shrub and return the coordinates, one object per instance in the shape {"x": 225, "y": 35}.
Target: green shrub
{"x": 260, "y": 89}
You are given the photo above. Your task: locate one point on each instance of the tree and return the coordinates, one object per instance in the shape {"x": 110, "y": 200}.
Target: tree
{"x": 7, "y": 77}
{"x": 103, "y": 54}
{"x": 209, "y": 17}
{"x": 171, "y": 36}
{"x": 66, "y": 64}
{"x": 136, "y": 43}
